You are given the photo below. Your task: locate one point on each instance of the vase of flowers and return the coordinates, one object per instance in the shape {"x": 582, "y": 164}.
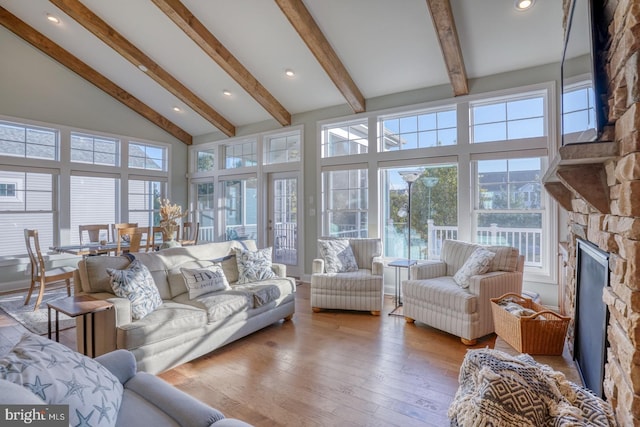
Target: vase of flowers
{"x": 170, "y": 214}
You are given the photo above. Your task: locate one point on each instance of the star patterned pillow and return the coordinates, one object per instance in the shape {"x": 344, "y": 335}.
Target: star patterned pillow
{"x": 61, "y": 376}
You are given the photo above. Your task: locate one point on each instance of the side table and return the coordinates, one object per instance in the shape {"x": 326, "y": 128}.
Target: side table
{"x": 398, "y": 265}
{"x": 82, "y": 305}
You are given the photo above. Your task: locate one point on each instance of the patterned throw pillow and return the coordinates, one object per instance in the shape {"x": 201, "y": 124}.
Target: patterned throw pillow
{"x": 60, "y": 376}
{"x": 338, "y": 256}
{"x": 254, "y": 266}
{"x": 136, "y": 284}
{"x": 201, "y": 281}
{"x": 478, "y": 263}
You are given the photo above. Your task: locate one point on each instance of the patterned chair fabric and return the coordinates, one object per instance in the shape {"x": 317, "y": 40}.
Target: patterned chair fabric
{"x": 433, "y": 297}
{"x": 361, "y": 290}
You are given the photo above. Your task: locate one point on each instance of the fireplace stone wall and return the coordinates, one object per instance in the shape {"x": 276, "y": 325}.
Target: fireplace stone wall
{"x": 618, "y": 230}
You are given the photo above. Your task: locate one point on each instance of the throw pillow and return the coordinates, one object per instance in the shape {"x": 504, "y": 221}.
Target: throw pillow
{"x": 254, "y": 266}
{"x": 201, "y": 281}
{"x": 137, "y": 285}
{"x": 338, "y": 256}
{"x": 60, "y": 376}
{"x": 478, "y": 263}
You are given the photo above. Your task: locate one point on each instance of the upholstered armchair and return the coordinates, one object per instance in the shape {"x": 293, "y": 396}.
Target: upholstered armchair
{"x": 348, "y": 275}
{"x": 454, "y": 294}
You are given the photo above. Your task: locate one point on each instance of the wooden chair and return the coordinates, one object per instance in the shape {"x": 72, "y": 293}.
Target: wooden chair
{"x": 156, "y": 237}
{"x": 116, "y": 227}
{"x": 38, "y": 272}
{"x": 190, "y": 232}
{"x": 93, "y": 231}
{"x": 138, "y": 238}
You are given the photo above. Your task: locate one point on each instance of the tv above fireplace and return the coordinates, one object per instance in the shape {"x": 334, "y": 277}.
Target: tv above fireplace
{"x": 583, "y": 101}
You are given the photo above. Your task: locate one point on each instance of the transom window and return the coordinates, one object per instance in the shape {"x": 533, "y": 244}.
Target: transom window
{"x": 282, "y": 149}
{"x": 345, "y": 139}
{"x": 206, "y": 160}
{"x": 95, "y": 150}
{"x": 28, "y": 141}
{"x": 147, "y": 156}
{"x": 418, "y": 130}
{"x": 240, "y": 155}
{"x": 508, "y": 119}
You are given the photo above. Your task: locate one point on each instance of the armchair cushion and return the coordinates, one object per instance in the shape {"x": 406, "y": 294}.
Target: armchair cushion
{"x": 477, "y": 263}
{"x": 338, "y": 255}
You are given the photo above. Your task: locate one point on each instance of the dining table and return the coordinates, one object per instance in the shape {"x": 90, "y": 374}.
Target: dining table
{"x": 94, "y": 248}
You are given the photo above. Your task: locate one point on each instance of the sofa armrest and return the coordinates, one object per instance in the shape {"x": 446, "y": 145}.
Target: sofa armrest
{"x": 377, "y": 266}
{"x": 428, "y": 270}
{"x": 317, "y": 266}
{"x": 183, "y": 408}
{"x": 279, "y": 269}
{"x": 121, "y": 363}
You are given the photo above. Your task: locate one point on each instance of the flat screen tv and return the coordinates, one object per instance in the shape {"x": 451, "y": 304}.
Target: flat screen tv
{"x": 583, "y": 102}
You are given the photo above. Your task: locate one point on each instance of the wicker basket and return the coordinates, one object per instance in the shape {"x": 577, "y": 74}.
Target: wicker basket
{"x": 530, "y": 334}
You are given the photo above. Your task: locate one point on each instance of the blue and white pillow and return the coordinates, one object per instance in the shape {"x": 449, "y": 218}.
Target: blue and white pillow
{"x": 254, "y": 266}
{"x": 200, "y": 281}
{"x": 338, "y": 256}
{"x": 137, "y": 285}
{"x": 61, "y": 376}
{"x": 478, "y": 262}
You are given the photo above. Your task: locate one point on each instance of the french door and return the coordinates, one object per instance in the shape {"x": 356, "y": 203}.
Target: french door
{"x": 283, "y": 220}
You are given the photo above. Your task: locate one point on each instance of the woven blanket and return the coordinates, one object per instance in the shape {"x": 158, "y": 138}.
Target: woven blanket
{"x": 500, "y": 390}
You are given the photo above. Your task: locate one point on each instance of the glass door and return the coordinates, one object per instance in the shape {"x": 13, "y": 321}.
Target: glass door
{"x": 283, "y": 220}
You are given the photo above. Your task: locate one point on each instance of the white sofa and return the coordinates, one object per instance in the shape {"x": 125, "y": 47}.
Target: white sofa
{"x": 182, "y": 329}
{"x": 433, "y": 297}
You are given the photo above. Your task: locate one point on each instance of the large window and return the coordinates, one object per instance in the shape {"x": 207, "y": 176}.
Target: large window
{"x": 345, "y": 203}
{"x": 144, "y": 201}
{"x": 240, "y": 208}
{"x": 345, "y": 138}
{"x": 94, "y": 200}
{"x": 509, "y": 205}
{"x": 418, "y": 130}
{"x": 508, "y": 119}
{"x": 205, "y": 210}
{"x": 95, "y": 150}
{"x": 30, "y": 142}
{"x": 32, "y": 207}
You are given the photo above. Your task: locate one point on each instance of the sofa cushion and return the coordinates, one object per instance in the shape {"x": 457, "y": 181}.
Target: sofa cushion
{"x": 204, "y": 280}
{"x": 220, "y": 305}
{"x": 60, "y": 376}
{"x": 229, "y": 267}
{"x": 478, "y": 263}
{"x": 254, "y": 266}
{"x": 136, "y": 284}
{"x": 338, "y": 255}
{"x": 261, "y": 294}
{"x": 443, "y": 292}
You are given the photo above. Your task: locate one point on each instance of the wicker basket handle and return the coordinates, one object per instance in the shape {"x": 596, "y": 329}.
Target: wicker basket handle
{"x": 544, "y": 312}
{"x": 510, "y": 294}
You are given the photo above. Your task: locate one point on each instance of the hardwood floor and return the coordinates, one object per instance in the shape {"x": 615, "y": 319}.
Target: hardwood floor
{"x": 333, "y": 368}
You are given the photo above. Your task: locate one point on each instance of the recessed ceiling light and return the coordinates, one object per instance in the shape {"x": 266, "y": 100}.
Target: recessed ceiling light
{"x": 53, "y": 19}
{"x": 142, "y": 68}
{"x": 226, "y": 92}
{"x": 524, "y": 4}
{"x": 289, "y": 72}
{"x": 177, "y": 109}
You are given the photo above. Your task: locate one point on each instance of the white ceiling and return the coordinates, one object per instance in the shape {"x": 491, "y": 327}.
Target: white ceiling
{"x": 387, "y": 46}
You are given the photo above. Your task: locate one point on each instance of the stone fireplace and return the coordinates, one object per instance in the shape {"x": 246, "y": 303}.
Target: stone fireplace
{"x": 599, "y": 185}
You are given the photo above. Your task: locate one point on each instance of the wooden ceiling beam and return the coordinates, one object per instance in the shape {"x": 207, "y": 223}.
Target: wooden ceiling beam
{"x": 45, "y": 45}
{"x": 183, "y": 18}
{"x": 93, "y": 23}
{"x": 445, "y": 27}
{"x": 299, "y": 16}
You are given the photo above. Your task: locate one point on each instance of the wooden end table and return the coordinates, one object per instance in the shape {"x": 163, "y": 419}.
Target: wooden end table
{"x": 75, "y": 306}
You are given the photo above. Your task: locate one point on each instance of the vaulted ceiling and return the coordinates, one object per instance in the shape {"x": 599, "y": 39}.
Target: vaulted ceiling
{"x": 194, "y": 67}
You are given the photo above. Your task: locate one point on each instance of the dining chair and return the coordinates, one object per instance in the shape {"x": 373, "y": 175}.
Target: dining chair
{"x": 156, "y": 237}
{"x": 137, "y": 237}
{"x": 38, "y": 272}
{"x": 190, "y": 232}
{"x": 95, "y": 233}
{"x": 117, "y": 226}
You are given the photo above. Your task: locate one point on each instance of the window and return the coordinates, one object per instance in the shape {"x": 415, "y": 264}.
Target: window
{"x": 240, "y": 155}
{"x": 147, "y": 156}
{"x": 579, "y": 114}
{"x": 206, "y": 160}
{"x": 509, "y": 206}
{"x": 7, "y": 191}
{"x": 433, "y": 212}
{"x": 508, "y": 119}
{"x": 28, "y": 141}
{"x": 94, "y": 200}
{"x": 282, "y": 149}
{"x": 205, "y": 210}
{"x": 345, "y": 139}
{"x": 421, "y": 130}
{"x": 32, "y": 207}
{"x": 144, "y": 201}
{"x": 95, "y": 150}
{"x": 345, "y": 203}
{"x": 241, "y": 208}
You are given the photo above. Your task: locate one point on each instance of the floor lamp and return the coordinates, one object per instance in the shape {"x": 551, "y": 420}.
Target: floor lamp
{"x": 409, "y": 177}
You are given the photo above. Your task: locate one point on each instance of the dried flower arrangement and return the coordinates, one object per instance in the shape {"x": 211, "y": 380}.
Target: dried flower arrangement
{"x": 170, "y": 214}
